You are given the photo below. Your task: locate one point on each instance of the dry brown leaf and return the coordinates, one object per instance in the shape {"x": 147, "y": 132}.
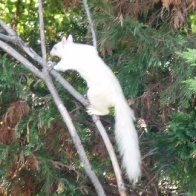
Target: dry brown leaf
{"x": 192, "y": 5}
{"x": 179, "y": 19}
{"x": 16, "y": 112}
{"x": 32, "y": 162}
{"x": 7, "y": 134}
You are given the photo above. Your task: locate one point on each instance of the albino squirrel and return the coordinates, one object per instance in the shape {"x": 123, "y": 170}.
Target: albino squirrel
{"x": 104, "y": 91}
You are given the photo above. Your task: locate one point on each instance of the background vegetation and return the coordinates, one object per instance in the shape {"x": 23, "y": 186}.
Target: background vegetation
{"x": 150, "y": 46}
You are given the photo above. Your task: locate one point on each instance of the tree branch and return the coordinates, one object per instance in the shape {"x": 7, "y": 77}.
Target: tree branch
{"x": 21, "y": 59}
{"x": 7, "y": 38}
{"x": 80, "y": 149}
{"x": 15, "y": 39}
{"x": 42, "y": 35}
{"x": 97, "y": 121}
{"x": 64, "y": 113}
{"x": 91, "y": 24}
{"x": 9, "y": 30}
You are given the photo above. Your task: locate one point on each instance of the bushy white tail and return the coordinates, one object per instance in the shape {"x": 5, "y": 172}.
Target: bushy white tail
{"x": 127, "y": 140}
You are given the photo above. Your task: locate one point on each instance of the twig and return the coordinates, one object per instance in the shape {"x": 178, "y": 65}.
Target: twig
{"x": 28, "y": 134}
{"x": 64, "y": 113}
{"x": 91, "y": 24}
{"x": 151, "y": 152}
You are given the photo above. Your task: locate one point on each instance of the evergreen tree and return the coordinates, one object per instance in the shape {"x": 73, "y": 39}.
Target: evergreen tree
{"x": 150, "y": 46}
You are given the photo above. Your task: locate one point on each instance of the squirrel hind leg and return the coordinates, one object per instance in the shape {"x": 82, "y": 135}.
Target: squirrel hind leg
{"x": 99, "y": 101}
{"x": 97, "y": 111}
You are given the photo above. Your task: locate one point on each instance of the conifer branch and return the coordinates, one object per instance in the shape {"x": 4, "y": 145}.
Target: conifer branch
{"x": 91, "y": 24}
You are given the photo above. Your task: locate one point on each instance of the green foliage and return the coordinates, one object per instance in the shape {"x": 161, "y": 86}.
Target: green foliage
{"x": 48, "y": 138}
{"x": 142, "y": 54}
{"x": 190, "y": 57}
{"x": 191, "y": 83}
{"x": 9, "y": 89}
{"x": 177, "y": 152}
{"x": 193, "y": 22}
{"x": 182, "y": 134}
{"x": 23, "y": 17}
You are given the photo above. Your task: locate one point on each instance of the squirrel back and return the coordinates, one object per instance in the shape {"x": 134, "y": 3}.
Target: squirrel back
{"x": 104, "y": 91}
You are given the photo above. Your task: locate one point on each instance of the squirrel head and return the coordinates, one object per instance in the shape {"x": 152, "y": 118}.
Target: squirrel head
{"x": 58, "y": 49}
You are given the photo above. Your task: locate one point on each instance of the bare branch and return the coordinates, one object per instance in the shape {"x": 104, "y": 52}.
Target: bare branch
{"x": 91, "y": 24}
{"x": 21, "y": 59}
{"x": 98, "y": 123}
{"x": 15, "y": 39}
{"x": 80, "y": 149}
{"x": 30, "y": 52}
{"x": 69, "y": 88}
{"x": 7, "y": 38}
{"x": 121, "y": 187}
{"x": 42, "y": 35}
{"x": 7, "y": 29}
{"x": 64, "y": 113}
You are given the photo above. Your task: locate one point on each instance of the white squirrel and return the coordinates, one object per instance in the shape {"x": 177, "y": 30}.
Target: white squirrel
{"x": 104, "y": 91}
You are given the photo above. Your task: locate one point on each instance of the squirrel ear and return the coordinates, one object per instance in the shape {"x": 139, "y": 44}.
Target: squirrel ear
{"x": 64, "y": 40}
{"x": 70, "y": 39}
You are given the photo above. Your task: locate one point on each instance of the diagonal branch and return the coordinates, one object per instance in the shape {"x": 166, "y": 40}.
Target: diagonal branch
{"x": 15, "y": 39}
{"x": 61, "y": 108}
{"x": 9, "y": 30}
{"x": 30, "y": 52}
{"x": 7, "y": 38}
{"x": 64, "y": 113}
{"x": 21, "y": 59}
